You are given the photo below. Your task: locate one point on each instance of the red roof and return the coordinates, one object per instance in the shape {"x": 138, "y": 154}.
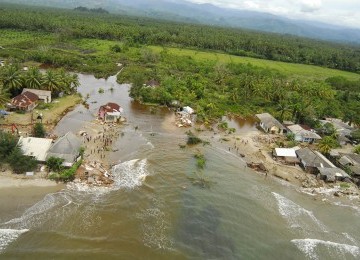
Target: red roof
{"x": 25, "y": 99}
{"x": 111, "y": 107}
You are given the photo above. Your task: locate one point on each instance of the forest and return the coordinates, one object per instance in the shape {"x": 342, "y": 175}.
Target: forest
{"x": 96, "y": 43}
{"x": 145, "y": 31}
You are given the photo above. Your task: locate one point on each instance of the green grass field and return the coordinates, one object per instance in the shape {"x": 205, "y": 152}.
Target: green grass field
{"x": 289, "y": 69}
{"x": 36, "y": 40}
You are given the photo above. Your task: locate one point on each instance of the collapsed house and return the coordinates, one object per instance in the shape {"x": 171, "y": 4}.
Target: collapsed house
{"x": 316, "y": 163}
{"x": 185, "y": 117}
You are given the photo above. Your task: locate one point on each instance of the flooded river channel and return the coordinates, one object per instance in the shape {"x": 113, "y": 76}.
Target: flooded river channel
{"x": 153, "y": 211}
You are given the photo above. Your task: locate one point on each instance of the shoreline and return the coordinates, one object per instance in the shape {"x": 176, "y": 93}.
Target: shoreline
{"x": 255, "y": 147}
{"x": 12, "y": 180}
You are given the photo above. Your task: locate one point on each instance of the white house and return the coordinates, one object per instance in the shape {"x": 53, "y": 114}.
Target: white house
{"x": 35, "y": 147}
{"x": 303, "y": 135}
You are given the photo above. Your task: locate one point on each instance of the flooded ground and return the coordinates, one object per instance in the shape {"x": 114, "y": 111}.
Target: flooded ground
{"x": 153, "y": 211}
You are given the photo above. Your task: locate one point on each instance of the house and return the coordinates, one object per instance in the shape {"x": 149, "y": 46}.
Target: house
{"x": 312, "y": 160}
{"x": 342, "y": 129}
{"x": 66, "y": 147}
{"x": 26, "y": 101}
{"x": 270, "y": 125}
{"x": 333, "y": 174}
{"x": 35, "y": 147}
{"x": 111, "y": 112}
{"x": 303, "y": 133}
{"x": 44, "y": 95}
{"x": 349, "y": 159}
{"x": 286, "y": 155}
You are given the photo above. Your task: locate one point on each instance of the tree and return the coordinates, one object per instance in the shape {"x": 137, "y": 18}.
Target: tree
{"x": 7, "y": 144}
{"x": 4, "y": 96}
{"x": 327, "y": 143}
{"x": 11, "y": 79}
{"x": 39, "y": 130}
{"x": 357, "y": 149}
{"x": 54, "y": 164}
{"x": 20, "y": 163}
{"x": 51, "y": 81}
{"x": 33, "y": 78}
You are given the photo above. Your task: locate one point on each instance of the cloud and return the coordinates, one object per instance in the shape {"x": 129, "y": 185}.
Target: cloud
{"x": 339, "y": 12}
{"x": 309, "y": 6}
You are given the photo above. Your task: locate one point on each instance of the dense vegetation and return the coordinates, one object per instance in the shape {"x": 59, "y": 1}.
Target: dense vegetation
{"x": 134, "y": 31}
{"x": 214, "y": 87}
{"x": 11, "y": 153}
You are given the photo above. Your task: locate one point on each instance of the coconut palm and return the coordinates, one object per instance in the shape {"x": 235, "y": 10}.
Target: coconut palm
{"x": 326, "y": 144}
{"x": 33, "y": 78}
{"x": 73, "y": 80}
{"x": 51, "y": 81}
{"x": 11, "y": 79}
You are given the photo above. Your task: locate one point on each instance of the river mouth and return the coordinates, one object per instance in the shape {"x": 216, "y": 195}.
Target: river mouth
{"x": 154, "y": 211}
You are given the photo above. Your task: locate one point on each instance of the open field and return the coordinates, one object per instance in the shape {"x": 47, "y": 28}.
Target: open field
{"x": 289, "y": 69}
{"x": 50, "y": 115}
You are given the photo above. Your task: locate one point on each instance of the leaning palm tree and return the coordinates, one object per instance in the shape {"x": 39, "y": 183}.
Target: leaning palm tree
{"x": 11, "y": 79}
{"x": 74, "y": 82}
{"x": 51, "y": 81}
{"x": 33, "y": 78}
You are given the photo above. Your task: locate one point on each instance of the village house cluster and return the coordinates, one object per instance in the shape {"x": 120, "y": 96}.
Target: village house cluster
{"x": 338, "y": 166}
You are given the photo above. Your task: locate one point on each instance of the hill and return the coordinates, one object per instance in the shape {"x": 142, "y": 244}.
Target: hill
{"x": 184, "y": 11}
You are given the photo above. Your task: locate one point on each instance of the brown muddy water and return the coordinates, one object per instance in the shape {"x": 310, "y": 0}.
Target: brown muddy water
{"x": 154, "y": 212}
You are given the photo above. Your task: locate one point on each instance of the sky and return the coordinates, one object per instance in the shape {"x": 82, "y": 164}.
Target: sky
{"x": 339, "y": 12}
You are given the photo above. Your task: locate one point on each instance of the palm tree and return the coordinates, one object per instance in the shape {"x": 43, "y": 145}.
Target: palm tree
{"x": 326, "y": 144}
{"x": 11, "y": 79}
{"x": 51, "y": 81}
{"x": 4, "y": 96}
{"x": 74, "y": 82}
{"x": 33, "y": 78}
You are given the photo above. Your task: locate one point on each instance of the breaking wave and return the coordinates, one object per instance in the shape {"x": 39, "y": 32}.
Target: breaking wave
{"x": 56, "y": 208}
{"x": 9, "y": 235}
{"x": 310, "y": 248}
{"x": 130, "y": 174}
{"x": 297, "y": 216}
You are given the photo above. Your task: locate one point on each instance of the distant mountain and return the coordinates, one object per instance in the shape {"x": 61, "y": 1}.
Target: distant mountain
{"x": 181, "y": 10}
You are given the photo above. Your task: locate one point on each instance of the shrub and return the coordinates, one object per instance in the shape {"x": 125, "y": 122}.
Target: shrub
{"x": 200, "y": 160}
{"x": 192, "y": 139}
{"x": 54, "y": 164}
{"x": 7, "y": 144}
{"x": 39, "y": 130}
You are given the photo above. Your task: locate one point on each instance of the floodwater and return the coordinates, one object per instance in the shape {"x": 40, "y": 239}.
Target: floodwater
{"x": 153, "y": 211}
